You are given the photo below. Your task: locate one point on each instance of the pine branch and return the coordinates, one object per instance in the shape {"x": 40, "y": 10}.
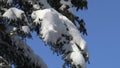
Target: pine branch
{"x": 17, "y": 52}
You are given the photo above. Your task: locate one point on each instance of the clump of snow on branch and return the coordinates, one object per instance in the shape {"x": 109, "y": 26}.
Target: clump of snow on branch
{"x": 26, "y": 29}
{"x": 17, "y": 18}
{"x": 9, "y": 2}
{"x": 14, "y": 14}
{"x": 59, "y": 32}
{"x": 49, "y": 29}
{"x": 66, "y": 5}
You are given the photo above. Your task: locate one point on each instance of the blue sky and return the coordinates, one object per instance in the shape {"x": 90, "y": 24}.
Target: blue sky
{"x": 103, "y": 24}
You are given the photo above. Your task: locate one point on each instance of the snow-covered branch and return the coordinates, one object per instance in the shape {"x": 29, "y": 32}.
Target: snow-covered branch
{"x": 62, "y": 35}
{"x": 17, "y": 52}
{"x": 55, "y": 23}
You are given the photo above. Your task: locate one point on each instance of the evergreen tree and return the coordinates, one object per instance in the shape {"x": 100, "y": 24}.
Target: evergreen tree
{"x": 53, "y": 21}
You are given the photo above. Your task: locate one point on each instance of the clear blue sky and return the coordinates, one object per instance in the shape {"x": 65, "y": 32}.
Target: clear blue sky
{"x": 103, "y": 26}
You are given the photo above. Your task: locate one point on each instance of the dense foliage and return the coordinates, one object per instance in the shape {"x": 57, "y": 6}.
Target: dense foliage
{"x": 48, "y": 18}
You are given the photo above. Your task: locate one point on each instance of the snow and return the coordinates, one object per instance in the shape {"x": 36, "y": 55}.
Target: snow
{"x": 49, "y": 29}
{"x": 53, "y": 26}
{"x": 36, "y": 6}
{"x": 26, "y": 29}
{"x": 77, "y": 59}
{"x": 13, "y": 13}
{"x": 14, "y": 28}
{"x": 65, "y": 4}
{"x": 55, "y": 29}
{"x": 71, "y": 47}
{"x": 77, "y": 38}
{"x": 9, "y": 2}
